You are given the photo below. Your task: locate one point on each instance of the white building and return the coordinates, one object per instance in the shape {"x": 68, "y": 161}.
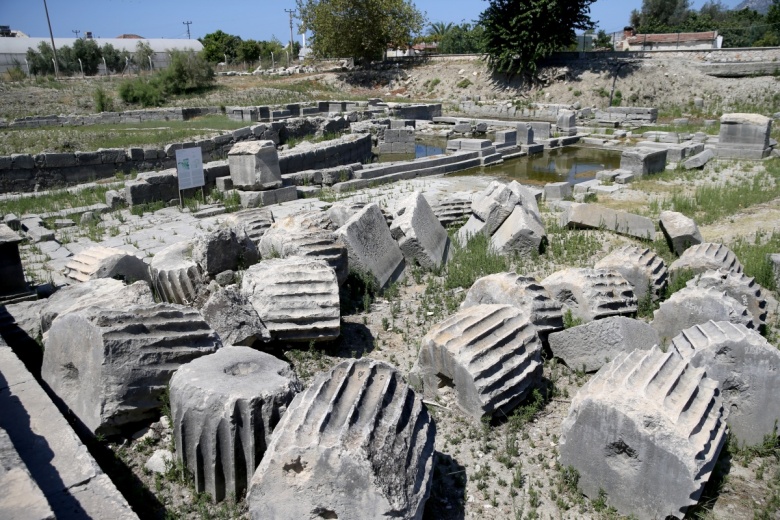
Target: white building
{"x": 671, "y": 41}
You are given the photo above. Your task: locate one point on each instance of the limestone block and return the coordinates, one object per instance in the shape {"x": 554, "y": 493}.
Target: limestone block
{"x": 745, "y": 366}
{"x": 296, "y": 298}
{"x": 641, "y": 268}
{"x": 106, "y": 262}
{"x": 21, "y": 498}
{"x": 111, "y": 367}
{"x": 453, "y": 209}
{"x": 647, "y": 429}
{"x": 494, "y": 205}
{"x": 357, "y": 444}
{"x": 225, "y": 407}
{"x": 522, "y": 232}
{"x": 680, "y": 231}
{"x": 593, "y": 216}
{"x": 491, "y": 354}
{"x": 473, "y": 226}
{"x": 114, "y": 199}
{"x": 643, "y": 161}
{"x": 745, "y": 131}
{"x": 557, "y": 190}
{"x": 256, "y": 199}
{"x": 541, "y": 130}
{"x": 694, "y": 305}
{"x": 420, "y": 235}
{"x": 592, "y": 345}
{"x": 519, "y": 291}
{"x": 176, "y": 276}
{"x": 591, "y": 294}
{"x": 739, "y": 286}
{"x": 567, "y": 122}
{"x": 705, "y": 257}
{"x": 254, "y": 165}
{"x": 371, "y": 247}
{"x": 699, "y": 160}
{"x": 233, "y": 318}
{"x": 223, "y": 250}
{"x": 252, "y": 222}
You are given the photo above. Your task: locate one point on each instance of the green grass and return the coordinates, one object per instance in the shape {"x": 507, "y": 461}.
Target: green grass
{"x": 55, "y": 200}
{"x": 88, "y": 138}
{"x": 472, "y": 261}
{"x": 754, "y": 256}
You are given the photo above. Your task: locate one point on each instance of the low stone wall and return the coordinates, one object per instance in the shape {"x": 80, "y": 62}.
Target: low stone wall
{"x": 112, "y": 118}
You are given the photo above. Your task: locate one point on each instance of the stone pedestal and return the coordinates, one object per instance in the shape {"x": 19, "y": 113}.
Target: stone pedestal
{"x": 254, "y": 166}
{"x": 744, "y": 136}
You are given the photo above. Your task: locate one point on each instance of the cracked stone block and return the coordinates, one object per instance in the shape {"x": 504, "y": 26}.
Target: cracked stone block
{"x": 592, "y": 345}
{"x": 641, "y": 268}
{"x": 106, "y": 262}
{"x": 252, "y": 222}
{"x": 112, "y": 367}
{"x": 296, "y": 298}
{"x": 453, "y": 209}
{"x": 592, "y": 216}
{"x": 223, "y": 250}
{"x": 705, "y": 257}
{"x": 591, "y": 294}
{"x": 233, "y": 318}
{"x": 420, "y": 235}
{"x": 745, "y": 365}
{"x": 522, "y": 232}
{"x": 739, "y": 286}
{"x": 680, "y": 231}
{"x": 225, "y": 407}
{"x": 647, "y": 429}
{"x": 494, "y": 204}
{"x": 488, "y": 355}
{"x": 643, "y": 161}
{"x": 176, "y": 276}
{"x": 694, "y": 305}
{"x": 519, "y": 291}
{"x": 254, "y": 165}
{"x": 358, "y": 443}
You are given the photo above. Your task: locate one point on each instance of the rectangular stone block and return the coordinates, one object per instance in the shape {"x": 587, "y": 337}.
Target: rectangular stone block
{"x": 254, "y": 165}
{"x": 506, "y": 137}
{"x": 643, "y": 161}
{"x": 256, "y": 199}
{"x": 224, "y": 183}
{"x": 112, "y": 155}
{"x": 745, "y": 130}
{"x": 22, "y": 161}
{"x": 592, "y": 216}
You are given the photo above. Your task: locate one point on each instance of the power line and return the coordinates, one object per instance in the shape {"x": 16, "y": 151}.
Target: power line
{"x": 76, "y": 32}
{"x": 188, "y": 28}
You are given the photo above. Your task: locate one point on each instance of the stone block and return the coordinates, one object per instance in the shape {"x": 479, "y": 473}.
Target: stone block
{"x": 225, "y": 407}
{"x": 506, "y": 137}
{"x": 256, "y": 199}
{"x": 494, "y": 204}
{"x": 705, "y": 257}
{"x": 254, "y": 165}
{"x": 224, "y": 183}
{"x": 591, "y": 294}
{"x": 364, "y": 451}
{"x": 643, "y": 161}
{"x": 590, "y": 346}
{"x": 541, "y": 130}
{"x": 420, "y": 235}
{"x": 557, "y": 190}
{"x": 371, "y": 247}
{"x": 644, "y": 270}
{"x": 223, "y": 250}
{"x": 567, "y": 122}
{"x": 680, "y": 231}
{"x": 112, "y": 155}
{"x": 745, "y": 131}
{"x": 742, "y": 288}
{"x": 699, "y": 160}
{"x": 521, "y": 233}
{"x": 176, "y": 276}
{"x": 22, "y": 498}
{"x": 233, "y": 318}
{"x": 106, "y": 262}
{"x": 593, "y": 216}
{"x": 22, "y": 161}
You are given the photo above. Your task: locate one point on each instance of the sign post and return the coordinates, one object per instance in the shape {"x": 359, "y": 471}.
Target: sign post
{"x": 189, "y": 169}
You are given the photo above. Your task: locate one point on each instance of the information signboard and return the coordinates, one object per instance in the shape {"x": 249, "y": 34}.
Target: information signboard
{"x": 189, "y": 167}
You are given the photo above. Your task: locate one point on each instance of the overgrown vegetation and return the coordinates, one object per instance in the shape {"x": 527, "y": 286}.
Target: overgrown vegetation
{"x": 187, "y": 72}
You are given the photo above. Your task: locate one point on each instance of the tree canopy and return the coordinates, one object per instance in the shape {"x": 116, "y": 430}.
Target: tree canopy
{"x": 361, "y": 29}
{"x": 519, "y": 33}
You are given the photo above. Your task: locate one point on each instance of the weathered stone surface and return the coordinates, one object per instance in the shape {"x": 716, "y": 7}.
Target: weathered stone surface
{"x": 111, "y": 367}
{"x": 292, "y": 236}
{"x": 745, "y": 366}
{"x": 473, "y": 226}
{"x": 225, "y": 407}
{"x": 453, "y": 209}
{"x": 744, "y": 136}
{"x": 693, "y": 305}
{"x": 494, "y": 205}
{"x": 70, "y": 479}
{"x": 567, "y": 122}
{"x": 254, "y": 165}
{"x": 223, "y": 250}
{"x": 705, "y": 257}
{"x": 21, "y": 497}
{"x": 739, "y": 286}
{"x": 591, "y": 294}
{"x": 176, "y": 276}
{"x": 647, "y": 429}
{"x": 593, "y": 216}
{"x": 643, "y": 161}
{"x": 680, "y": 231}
{"x": 420, "y": 235}
{"x": 105, "y": 293}
{"x": 160, "y": 461}
{"x": 699, "y": 160}
{"x": 490, "y": 353}
{"x": 519, "y": 291}
{"x": 371, "y": 247}
{"x": 557, "y": 190}
{"x": 253, "y": 222}
{"x": 296, "y": 298}
{"x": 641, "y": 268}
{"x": 522, "y": 232}
{"x": 357, "y": 444}
{"x": 233, "y": 318}
{"x": 106, "y": 262}
{"x": 592, "y": 345}
{"x": 269, "y": 197}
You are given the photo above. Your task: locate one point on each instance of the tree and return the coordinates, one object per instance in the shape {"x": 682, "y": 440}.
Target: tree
{"x": 186, "y": 71}
{"x": 662, "y": 15}
{"x": 463, "y": 39}
{"x": 603, "y": 40}
{"x": 89, "y": 54}
{"x": 437, "y": 30}
{"x": 218, "y": 45}
{"x": 248, "y": 51}
{"x": 40, "y": 61}
{"x": 361, "y": 29}
{"x": 519, "y": 33}
{"x": 115, "y": 60}
{"x": 143, "y": 51}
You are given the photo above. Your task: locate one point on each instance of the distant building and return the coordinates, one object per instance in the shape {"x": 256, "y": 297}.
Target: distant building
{"x": 14, "y": 49}
{"x": 669, "y": 42}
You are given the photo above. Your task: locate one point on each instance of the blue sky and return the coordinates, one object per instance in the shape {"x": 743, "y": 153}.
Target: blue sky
{"x": 256, "y": 19}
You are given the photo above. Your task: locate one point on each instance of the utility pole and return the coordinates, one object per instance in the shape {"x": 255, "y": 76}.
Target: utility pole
{"x": 290, "y": 12}
{"x": 51, "y": 35}
{"x": 76, "y": 32}
{"x": 188, "y": 28}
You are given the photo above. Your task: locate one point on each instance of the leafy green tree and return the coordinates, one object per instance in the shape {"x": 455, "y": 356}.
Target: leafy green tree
{"x": 219, "y": 44}
{"x": 361, "y": 29}
{"x": 89, "y": 54}
{"x": 519, "y": 33}
{"x": 437, "y": 30}
{"x": 40, "y": 61}
{"x": 143, "y": 51}
{"x": 114, "y": 59}
{"x": 463, "y": 39}
{"x": 187, "y": 71}
{"x": 272, "y": 46}
{"x": 248, "y": 51}
{"x": 603, "y": 40}
{"x": 662, "y": 15}
{"x": 66, "y": 59}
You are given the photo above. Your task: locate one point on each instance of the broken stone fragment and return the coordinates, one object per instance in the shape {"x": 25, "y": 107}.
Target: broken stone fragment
{"x": 641, "y": 268}
{"x": 591, "y": 294}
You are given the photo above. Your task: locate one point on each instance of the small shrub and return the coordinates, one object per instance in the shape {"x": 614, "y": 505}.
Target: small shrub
{"x": 103, "y": 102}
{"x": 465, "y": 82}
{"x": 577, "y": 93}
{"x": 569, "y": 320}
{"x": 617, "y": 99}
{"x": 16, "y": 73}
{"x": 146, "y": 92}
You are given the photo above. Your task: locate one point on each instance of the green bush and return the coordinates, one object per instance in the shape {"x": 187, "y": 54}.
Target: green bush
{"x": 186, "y": 72}
{"x": 147, "y": 92}
{"x": 103, "y": 102}
{"x": 465, "y": 82}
